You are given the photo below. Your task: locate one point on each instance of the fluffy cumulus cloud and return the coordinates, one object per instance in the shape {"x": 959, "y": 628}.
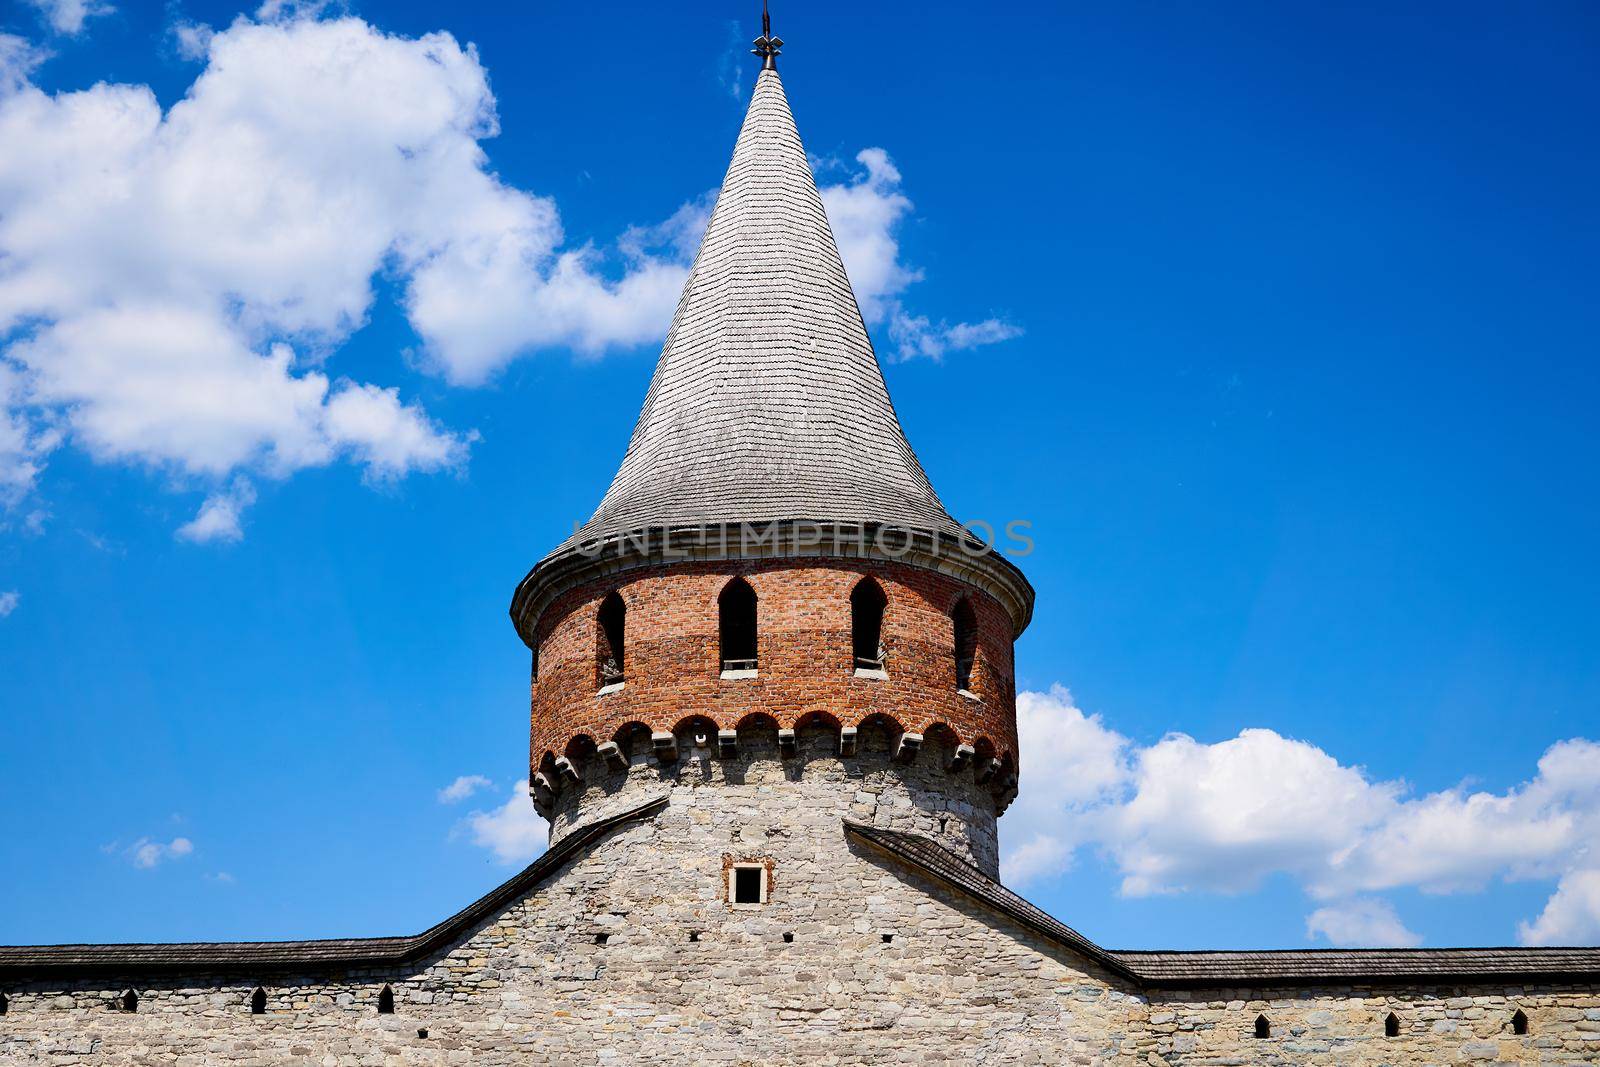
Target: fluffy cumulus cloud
{"x": 1361, "y": 922}
{"x": 68, "y": 16}
{"x": 866, "y": 211}
{"x": 9, "y": 601}
{"x": 220, "y": 516}
{"x": 173, "y": 283}
{"x": 1184, "y": 815}
{"x": 463, "y": 787}
{"x": 514, "y": 831}
{"x": 145, "y": 853}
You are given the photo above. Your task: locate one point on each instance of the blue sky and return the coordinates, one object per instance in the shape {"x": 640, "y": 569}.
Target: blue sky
{"x": 1299, "y": 401}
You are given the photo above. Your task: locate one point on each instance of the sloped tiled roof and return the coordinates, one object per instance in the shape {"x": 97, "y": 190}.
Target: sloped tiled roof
{"x": 768, "y": 403}
{"x": 255, "y": 957}
{"x": 1292, "y": 967}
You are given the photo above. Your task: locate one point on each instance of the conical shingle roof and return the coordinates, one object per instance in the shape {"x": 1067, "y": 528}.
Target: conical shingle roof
{"x": 768, "y": 403}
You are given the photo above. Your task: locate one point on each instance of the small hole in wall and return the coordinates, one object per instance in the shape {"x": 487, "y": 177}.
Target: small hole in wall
{"x": 788, "y": 938}
{"x": 601, "y": 939}
{"x": 887, "y": 938}
{"x": 694, "y": 935}
{"x": 422, "y": 1031}
{"x": 943, "y": 822}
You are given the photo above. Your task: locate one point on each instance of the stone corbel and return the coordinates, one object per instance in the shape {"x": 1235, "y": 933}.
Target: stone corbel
{"x": 847, "y": 741}
{"x": 787, "y": 747}
{"x": 907, "y": 749}
{"x": 960, "y": 758}
{"x": 611, "y": 752}
{"x": 727, "y": 743}
{"x": 666, "y": 747}
{"x": 569, "y": 774}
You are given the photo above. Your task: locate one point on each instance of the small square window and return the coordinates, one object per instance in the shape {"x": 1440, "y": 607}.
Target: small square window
{"x": 748, "y": 884}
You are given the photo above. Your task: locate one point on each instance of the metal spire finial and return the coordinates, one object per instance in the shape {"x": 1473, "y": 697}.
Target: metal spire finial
{"x": 767, "y": 46}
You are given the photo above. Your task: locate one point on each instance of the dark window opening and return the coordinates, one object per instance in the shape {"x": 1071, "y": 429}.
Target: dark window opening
{"x": 965, "y": 625}
{"x": 613, "y": 621}
{"x": 386, "y": 1001}
{"x": 4, "y": 1004}
{"x": 866, "y": 624}
{"x": 1391, "y": 1025}
{"x": 887, "y": 938}
{"x": 737, "y": 611}
{"x": 788, "y": 938}
{"x": 422, "y": 1031}
{"x": 1519, "y": 1023}
{"x": 601, "y": 939}
{"x": 534, "y": 670}
{"x": 747, "y": 885}
{"x": 258, "y": 1002}
{"x": 1263, "y": 1028}
{"x": 130, "y": 1001}
{"x": 694, "y": 935}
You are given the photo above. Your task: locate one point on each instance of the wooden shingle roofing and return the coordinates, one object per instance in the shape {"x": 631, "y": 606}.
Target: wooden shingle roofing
{"x": 768, "y": 404}
{"x": 1212, "y": 969}
{"x": 256, "y": 957}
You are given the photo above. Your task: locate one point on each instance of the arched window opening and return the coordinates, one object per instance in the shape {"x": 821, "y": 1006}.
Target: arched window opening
{"x": 1519, "y": 1022}
{"x": 130, "y": 1001}
{"x": 1263, "y": 1028}
{"x": 736, "y": 609}
{"x": 966, "y": 642}
{"x": 386, "y": 1001}
{"x": 1391, "y": 1025}
{"x": 866, "y": 624}
{"x": 613, "y": 623}
{"x": 258, "y": 1002}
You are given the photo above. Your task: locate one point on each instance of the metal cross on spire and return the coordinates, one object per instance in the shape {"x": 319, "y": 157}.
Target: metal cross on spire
{"x": 767, "y": 46}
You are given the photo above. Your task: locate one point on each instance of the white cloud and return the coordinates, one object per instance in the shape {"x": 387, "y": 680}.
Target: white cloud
{"x": 514, "y": 831}
{"x": 175, "y": 282}
{"x": 9, "y": 602}
{"x": 146, "y": 853}
{"x": 866, "y": 212}
{"x": 1571, "y": 916}
{"x": 68, "y": 16}
{"x": 1072, "y": 766}
{"x": 1183, "y": 815}
{"x": 1361, "y": 922}
{"x": 463, "y": 787}
{"x": 219, "y": 517}
{"x": 18, "y": 59}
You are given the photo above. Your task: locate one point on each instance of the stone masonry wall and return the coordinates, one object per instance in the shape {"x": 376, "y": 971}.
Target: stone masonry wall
{"x": 632, "y": 955}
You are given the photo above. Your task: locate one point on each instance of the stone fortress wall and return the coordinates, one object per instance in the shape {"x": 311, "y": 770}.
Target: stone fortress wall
{"x": 631, "y": 954}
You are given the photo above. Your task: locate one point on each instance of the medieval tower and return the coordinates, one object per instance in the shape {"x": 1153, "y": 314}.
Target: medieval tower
{"x": 771, "y": 573}
{"x": 773, "y": 728}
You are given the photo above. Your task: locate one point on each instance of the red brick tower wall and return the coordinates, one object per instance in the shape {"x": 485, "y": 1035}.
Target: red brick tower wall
{"x": 807, "y": 669}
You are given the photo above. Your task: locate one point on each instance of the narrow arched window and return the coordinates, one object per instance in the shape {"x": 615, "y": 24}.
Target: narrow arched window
{"x": 130, "y": 1001}
{"x": 1391, "y": 1025}
{"x": 1519, "y": 1022}
{"x": 258, "y": 1002}
{"x": 1263, "y": 1027}
{"x": 866, "y": 624}
{"x": 965, "y": 625}
{"x": 386, "y": 1001}
{"x": 612, "y": 624}
{"x": 736, "y": 610}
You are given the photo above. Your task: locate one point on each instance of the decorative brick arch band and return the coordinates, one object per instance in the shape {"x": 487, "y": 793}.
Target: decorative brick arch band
{"x": 673, "y": 672}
